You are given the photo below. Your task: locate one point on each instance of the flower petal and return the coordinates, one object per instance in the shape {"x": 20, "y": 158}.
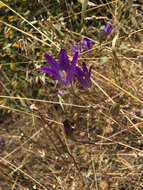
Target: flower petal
{"x": 85, "y": 70}
{"x": 84, "y": 42}
{"x": 79, "y": 46}
{"x": 52, "y": 62}
{"x": 64, "y": 62}
{"x": 85, "y": 82}
{"x": 49, "y": 70}
{"x": 108, "y": 28}
{"x": 89, "y": 44}
{"x": 79, "y": 72}
{"x": 74, "y": 60}
{"x": 83, "y": 76}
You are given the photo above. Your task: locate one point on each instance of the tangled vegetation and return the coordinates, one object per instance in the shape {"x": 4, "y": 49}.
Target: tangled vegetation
{"x": 71, "y": 102}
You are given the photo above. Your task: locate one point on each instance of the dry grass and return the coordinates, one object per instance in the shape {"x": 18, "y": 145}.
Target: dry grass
{"x": 104, "y": 148}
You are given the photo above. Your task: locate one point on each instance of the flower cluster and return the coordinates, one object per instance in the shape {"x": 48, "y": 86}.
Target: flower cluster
{"x": 83, "y": 76}
{"x": 65, "y": 73}
{"x": 86, "y": 44}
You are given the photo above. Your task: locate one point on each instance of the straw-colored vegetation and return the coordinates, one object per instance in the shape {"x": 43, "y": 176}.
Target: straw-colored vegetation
{"x": 101, "y": 144}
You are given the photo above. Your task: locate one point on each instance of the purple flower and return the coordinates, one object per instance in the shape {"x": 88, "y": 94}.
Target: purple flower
{"x": 84, "y": 76}
{"x": 86, "y": 44}
{"x": 63, "y": 72}
{"x": 108, "y": 28}
{"x": 60, "y": 91}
